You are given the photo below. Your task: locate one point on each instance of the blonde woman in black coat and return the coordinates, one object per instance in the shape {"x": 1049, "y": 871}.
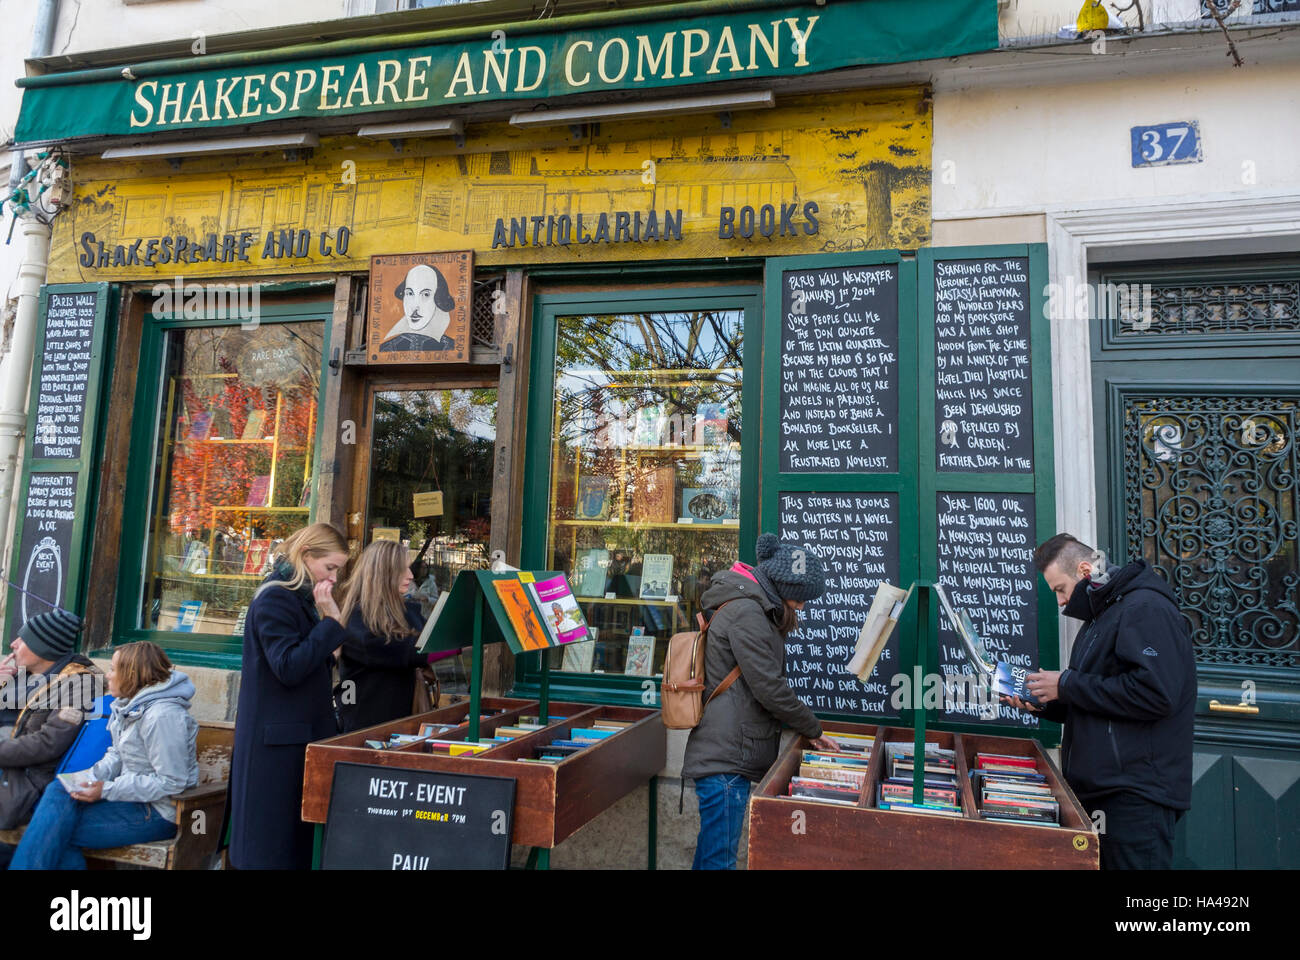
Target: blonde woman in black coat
{"x": 293, "y": 628}
{"x": 378, "y": 663}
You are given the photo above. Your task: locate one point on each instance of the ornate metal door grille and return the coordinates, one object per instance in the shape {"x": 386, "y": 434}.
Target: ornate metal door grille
{"x": 1212, "y": 491}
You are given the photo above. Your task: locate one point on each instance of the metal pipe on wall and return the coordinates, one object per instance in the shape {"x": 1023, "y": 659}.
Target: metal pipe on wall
{"x": 16, "y": 366}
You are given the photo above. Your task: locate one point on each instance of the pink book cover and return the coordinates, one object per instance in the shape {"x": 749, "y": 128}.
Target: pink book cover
{"x": 258, "y": 490}
{"x": 560, "y": 611}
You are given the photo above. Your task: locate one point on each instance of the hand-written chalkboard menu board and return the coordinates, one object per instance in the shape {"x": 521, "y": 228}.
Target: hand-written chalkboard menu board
{"x": 395, "y": 818}
{"x": 57, "y": 485}
{"x": 985, "y": 551}
{"x": 64, "y": 377}
{"x": 839, "y": 370}
{"x": 855, "y": 536}
{"x": 983, "y": 407}
{"x": 46, "y": 546}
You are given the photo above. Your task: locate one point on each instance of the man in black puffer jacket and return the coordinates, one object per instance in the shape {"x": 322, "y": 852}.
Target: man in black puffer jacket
{"x": 1127, "y": 700}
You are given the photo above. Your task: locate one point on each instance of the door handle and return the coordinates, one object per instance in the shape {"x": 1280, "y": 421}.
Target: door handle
{"x": 1218, "y": 707}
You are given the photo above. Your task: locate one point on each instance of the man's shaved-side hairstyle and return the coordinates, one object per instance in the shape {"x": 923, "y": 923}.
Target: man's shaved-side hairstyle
{"x": 1065, "y": 551}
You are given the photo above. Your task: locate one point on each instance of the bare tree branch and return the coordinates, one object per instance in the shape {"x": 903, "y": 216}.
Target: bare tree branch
{"x": 1219, "y": 16}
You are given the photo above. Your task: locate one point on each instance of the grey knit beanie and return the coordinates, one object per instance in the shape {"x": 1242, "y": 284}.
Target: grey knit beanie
{"x": 51, "y": 635}
{"x": 796, "y": 571}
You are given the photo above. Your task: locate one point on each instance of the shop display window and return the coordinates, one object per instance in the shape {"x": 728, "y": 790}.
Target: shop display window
{"x": 232, "y": 469}
{"x": 645, "y": 500}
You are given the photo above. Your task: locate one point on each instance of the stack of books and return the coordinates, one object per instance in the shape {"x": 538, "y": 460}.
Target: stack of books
{"x": 940, "y": 791}
{"x": 833, "y": 777}
{"x": 579, "y": 739}
{"x": 853, "y": 742}
{"x": 1011, "y": 789}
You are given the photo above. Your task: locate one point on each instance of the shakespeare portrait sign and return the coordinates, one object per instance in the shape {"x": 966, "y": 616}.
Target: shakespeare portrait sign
{"x": 420, "y": 307}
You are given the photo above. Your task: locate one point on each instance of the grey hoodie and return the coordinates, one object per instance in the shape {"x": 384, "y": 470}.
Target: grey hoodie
{"x": 153, "y": 756}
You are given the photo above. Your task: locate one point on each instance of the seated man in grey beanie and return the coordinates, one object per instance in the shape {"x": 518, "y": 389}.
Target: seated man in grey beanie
{"x": 737, "y": 738}
{"x": 46, "y": 692}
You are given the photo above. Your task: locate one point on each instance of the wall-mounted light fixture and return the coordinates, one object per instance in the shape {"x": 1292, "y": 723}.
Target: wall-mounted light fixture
{"x": 723, "y": 103}
{"x": 203, "y": 148}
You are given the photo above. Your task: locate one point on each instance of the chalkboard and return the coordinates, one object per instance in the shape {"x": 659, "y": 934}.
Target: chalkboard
{"x": 55, "y": 494}
{"x": 983, "y": 397}
{"x": 839, "y": 370}
{"x": 48, "y": 525}
{"x": 985, "y": 551}
{"x": 855, "y": 536}
{"x": 64, "y": 377}
{"x": 394, "y": 818}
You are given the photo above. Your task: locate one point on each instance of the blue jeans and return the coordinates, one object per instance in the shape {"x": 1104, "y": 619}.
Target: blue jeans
{"x": 722, "y": 801}
{"x": 62, "y": 827}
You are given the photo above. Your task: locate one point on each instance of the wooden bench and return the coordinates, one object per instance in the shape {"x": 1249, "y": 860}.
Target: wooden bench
{"x": 195, "y": 846}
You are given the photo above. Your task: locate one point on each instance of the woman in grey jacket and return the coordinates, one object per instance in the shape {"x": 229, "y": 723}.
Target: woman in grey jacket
{"x": 737, "y": 739}
{"x": 125, "y": 798}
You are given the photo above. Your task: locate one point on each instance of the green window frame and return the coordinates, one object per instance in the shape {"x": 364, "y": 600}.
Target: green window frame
{"x": 547, "y": 308}
{"x": 186, "y": 648}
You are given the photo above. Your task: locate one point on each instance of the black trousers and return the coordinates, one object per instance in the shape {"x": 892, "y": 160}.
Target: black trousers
{"x": 1136, "y": 833}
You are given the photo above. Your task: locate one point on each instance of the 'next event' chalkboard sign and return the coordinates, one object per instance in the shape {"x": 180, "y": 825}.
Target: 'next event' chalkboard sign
{"x": 839, "y": 370}
{"x": 395, "y": 818}
{"x": 855, "y": 536}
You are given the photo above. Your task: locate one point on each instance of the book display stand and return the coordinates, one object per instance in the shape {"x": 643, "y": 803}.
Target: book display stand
{"x": 552, "y": 799}
{"x": 800, "y": 832}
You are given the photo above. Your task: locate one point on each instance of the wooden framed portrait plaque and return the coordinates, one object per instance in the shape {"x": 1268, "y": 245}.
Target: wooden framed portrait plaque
{"x": 420, "y": 307}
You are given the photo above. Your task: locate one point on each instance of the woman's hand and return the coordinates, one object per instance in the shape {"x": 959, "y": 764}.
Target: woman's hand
{"x": 824, "y": 743}
{"x": 91, "y": 793}
{"x": 323, "y": 593}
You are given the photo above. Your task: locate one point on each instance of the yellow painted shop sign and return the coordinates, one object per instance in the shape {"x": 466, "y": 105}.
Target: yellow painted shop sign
{"x": 825, "y": 174}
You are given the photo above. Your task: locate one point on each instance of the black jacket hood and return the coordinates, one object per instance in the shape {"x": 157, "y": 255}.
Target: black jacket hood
{"x": 1090, "y": 598}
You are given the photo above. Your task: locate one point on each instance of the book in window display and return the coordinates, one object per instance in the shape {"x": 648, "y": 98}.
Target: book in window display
{"x": 713, "y": 422}
{"x": 651, "y": 426}
{"x": 254, "y": 425}
{"x": 593, "y": 499}
{"x": 656, "y": 576}
{"x": 653, "y": 498}
{"x": 257, "y": 558}
{"x": 640, "y": 655}
{"x": 590, "y": 572}
{"x": 707, "y": 505}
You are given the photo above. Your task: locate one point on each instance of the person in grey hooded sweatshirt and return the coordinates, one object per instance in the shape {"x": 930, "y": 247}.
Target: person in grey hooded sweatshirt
{"x": 125, "y": 798}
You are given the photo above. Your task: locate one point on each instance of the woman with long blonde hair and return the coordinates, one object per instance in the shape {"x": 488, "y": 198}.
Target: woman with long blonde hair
{"x": 292, "y": 630}
{"x": 378, "y": 662}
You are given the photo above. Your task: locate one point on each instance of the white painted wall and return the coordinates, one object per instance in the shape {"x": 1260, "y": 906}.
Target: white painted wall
{"x": 1028, "y": 149}
{"x": 1039, "y": 18}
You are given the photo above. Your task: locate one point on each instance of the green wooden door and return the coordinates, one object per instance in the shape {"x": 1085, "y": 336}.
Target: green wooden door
{"x": 1196, "y": 392}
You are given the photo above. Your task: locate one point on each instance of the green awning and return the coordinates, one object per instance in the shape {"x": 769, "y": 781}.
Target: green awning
{"x": 521, "y": 61}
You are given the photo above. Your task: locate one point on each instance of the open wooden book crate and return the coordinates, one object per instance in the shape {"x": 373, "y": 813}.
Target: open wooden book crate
{"x": 837, "y": 836}
{"x": 552, "y": 800}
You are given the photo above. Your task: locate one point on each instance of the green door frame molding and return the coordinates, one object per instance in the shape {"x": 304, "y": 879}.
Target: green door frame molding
{"x": 186, "y": 648}
{"x": 620, "y": 688}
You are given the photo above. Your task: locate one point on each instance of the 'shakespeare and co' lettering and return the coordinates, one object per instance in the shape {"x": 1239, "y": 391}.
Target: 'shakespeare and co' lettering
{"x": 214, "y": 248}
{"x": 449, "y": 74}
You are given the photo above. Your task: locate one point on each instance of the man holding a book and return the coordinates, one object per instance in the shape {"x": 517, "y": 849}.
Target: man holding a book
{"x": 1127, "y": 700}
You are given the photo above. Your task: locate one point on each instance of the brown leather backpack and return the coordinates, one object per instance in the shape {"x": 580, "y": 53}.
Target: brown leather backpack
{"x": 681, "y": 693}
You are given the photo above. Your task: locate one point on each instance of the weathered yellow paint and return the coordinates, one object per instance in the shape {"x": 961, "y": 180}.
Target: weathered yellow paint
{"x": 862, "y": 158}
